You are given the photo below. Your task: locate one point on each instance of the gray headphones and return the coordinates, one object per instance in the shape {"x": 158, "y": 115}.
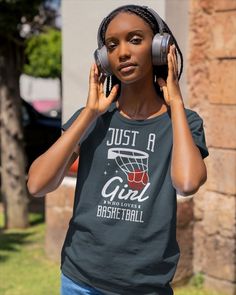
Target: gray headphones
{"x": 160, "y": 43}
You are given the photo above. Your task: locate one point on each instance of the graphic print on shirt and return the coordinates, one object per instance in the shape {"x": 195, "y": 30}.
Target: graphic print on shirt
{"x": 124, "y": 194}
{"x": 134, "y": 164}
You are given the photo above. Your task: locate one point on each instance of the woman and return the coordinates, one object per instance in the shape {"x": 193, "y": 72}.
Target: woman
{"x": 138, "y": 146}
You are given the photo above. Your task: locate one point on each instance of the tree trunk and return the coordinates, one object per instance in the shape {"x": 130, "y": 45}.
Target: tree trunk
{"x": 13, "y": 184}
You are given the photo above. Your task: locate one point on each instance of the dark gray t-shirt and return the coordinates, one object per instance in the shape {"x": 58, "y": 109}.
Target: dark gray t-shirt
{"x": 122, "y": 235}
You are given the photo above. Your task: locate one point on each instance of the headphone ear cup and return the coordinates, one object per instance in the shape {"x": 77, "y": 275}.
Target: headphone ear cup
{"x": 101, "y": 59}
{"x": 160, "y": 48}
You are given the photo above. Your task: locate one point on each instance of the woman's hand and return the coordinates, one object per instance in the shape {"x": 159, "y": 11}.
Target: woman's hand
{"x": 170, "y": 87}
{"x": 97, "y": 101}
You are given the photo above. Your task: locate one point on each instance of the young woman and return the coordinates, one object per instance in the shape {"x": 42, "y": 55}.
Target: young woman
{"x": 138, "y": 146}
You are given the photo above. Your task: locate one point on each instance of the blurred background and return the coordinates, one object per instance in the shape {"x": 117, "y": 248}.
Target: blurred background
{"x": 46, "y": 50}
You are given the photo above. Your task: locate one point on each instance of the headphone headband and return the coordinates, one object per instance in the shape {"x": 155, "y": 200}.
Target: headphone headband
{"x": 150, "y": 10}
{"x": 158, "y": 19}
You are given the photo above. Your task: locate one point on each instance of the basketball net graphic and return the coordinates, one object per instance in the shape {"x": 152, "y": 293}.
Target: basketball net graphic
{"x": 133, "y": 163}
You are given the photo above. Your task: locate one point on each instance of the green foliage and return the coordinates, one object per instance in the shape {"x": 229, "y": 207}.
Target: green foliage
{"x": 198, "y": 280}
{"x": 43, "y": 53}
{"x": 195, "y": 287}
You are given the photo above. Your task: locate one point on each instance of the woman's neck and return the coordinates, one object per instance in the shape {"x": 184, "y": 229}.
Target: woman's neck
{"x": 140, "y": 101}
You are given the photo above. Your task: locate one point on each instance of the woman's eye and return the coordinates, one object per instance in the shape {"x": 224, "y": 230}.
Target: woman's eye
{"x": 111, "y": 45}
{"x": 136, "y": 40}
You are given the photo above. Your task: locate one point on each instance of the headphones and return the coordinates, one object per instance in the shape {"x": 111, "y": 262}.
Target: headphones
{"x": 160, "y": 43}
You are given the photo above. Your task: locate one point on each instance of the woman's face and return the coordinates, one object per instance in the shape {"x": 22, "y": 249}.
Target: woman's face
{"x": 128, "y": 40}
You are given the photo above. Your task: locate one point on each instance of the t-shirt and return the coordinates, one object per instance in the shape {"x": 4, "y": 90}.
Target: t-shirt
{"x": 122, "y": 235}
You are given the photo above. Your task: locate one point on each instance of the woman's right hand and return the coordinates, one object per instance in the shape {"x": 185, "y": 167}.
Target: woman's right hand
{"x": 97, "y": 101}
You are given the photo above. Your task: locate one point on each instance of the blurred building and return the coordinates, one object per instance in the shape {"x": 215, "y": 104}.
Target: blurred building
{"x": 43, "y": 94}
{"x": 32, "y": 88}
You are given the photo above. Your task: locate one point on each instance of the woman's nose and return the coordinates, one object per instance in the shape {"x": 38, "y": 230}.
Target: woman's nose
{"x": 124, "y": 52}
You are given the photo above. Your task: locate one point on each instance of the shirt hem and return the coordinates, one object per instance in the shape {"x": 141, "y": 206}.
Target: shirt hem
{"x": 98, "y": 287}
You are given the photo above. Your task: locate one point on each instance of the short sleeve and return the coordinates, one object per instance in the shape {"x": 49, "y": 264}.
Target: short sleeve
{"x": 68, "y": 123}
{"x": 197, "y": 129}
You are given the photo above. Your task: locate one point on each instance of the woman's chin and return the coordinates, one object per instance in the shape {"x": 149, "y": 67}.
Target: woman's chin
{"x": 129, "y": 79}
{"x": 134, "y": 76}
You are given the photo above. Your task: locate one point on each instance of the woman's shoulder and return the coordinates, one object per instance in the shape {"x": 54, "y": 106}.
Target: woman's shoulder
{"x": 192, "y": 115}
{"x": 71, "y": 119}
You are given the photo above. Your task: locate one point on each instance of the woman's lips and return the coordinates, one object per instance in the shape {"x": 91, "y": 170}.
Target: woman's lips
{"x": 127, "y": 68}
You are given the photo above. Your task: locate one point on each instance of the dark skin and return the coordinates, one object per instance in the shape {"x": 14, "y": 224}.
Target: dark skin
{"x": 128, "y": 39}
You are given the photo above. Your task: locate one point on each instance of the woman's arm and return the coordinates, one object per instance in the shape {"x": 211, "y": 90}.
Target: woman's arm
{"x": 188, "y": 170}
{"x": 56, "y": 181}
{"x": 48, "y": 170}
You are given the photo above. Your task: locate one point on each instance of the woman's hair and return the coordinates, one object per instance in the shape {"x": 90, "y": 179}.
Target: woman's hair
{"x": 149, "y": 18}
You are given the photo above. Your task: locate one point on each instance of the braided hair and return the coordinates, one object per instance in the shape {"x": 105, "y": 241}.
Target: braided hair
{"x": 148, "y": 17}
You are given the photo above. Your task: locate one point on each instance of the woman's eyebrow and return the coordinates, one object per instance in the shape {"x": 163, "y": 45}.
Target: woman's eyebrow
{"x": 139, "y": 32}
{"x": 130, "y": 33}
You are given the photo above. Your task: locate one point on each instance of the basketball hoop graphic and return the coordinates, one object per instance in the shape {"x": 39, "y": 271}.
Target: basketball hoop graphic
{"x": 134, "y": 164}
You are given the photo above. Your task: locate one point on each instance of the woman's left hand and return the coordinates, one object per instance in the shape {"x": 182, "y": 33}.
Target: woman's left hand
{"x": 170, "y": 87}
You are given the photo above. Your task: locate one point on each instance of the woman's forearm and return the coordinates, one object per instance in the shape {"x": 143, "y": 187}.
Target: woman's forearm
{"x": 47, "y": 170}
{"x": 188, "y": 170}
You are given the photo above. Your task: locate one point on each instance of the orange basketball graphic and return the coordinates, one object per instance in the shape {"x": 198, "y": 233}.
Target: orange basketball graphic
{"x": 134, "y": 164}
{"x": 137, "y": 179}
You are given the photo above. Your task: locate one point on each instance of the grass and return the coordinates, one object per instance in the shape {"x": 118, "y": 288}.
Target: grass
{"x": 25, "y": 269}
{"x": 194, "y": 291}
{"x": 195, "y": 287}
